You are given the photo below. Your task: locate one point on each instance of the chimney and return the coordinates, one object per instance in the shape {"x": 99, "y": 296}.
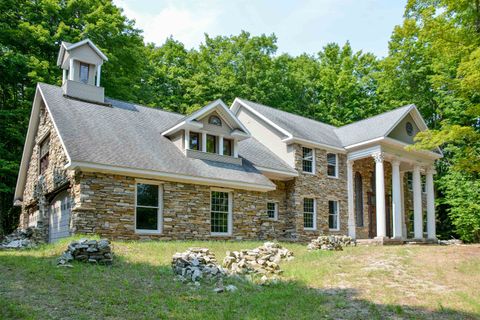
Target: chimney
{"x": 82, "y": 66}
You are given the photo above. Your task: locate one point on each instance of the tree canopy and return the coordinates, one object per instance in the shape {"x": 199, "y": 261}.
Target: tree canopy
{"x": 433, "y": 62}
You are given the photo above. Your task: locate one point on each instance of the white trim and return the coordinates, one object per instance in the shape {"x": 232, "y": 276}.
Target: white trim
{"x": 86, "y": 166}
{"x": 81, "y": 43}
{"x": 269, "y": 170}
{"x": 258, "y": 114}
{"x": 313, "y": 144}
{"x": 364, "y": 143}
{"x": 397, "y": 143}
{"x": 275, "y": 214}
{"x": 230, "y": 214}
{"x": 314, "y": 228}
{"x": 159, "y": 208}
{"x": 336, "y": 166}
{"x": 337, "y": 213}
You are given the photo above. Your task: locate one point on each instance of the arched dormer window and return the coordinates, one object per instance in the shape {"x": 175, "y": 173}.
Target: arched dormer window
{"x": 215, "y": 121}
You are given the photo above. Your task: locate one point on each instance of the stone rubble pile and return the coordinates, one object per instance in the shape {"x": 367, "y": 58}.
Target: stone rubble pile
{"x": 20, "y": 239}
{"x": 455, "y": 242}
{"x": 332, "y": 242}
{"x": 84, "y": 250}
{"x": 195, "y": 264}
{"x": 263, "y": 260}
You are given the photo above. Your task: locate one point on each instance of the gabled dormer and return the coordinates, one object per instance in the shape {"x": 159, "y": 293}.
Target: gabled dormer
{"x": 211, "y": 133}
{"x": 82, "y": 65}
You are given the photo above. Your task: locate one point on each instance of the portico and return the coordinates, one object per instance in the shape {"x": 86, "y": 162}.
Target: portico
{"x": 381, "y": 169}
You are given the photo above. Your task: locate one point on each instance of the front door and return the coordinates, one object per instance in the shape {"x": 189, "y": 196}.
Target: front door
{"x": 59, "y": 226}
{"x": 372, "y": 216}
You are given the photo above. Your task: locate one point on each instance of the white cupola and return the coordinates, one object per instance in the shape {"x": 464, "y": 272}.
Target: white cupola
{"x": 82, "y": 65}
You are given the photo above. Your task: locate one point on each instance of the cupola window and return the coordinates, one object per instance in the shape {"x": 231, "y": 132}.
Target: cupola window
{"x": 84, "y": 72}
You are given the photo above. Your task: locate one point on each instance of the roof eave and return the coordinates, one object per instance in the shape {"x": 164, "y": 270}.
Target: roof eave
{"x": 314, "y": 144}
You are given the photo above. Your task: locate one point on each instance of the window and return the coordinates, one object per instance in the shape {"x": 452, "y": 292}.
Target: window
{"x": 211, "y": 143}
{"x": 409, "y": 128}
{"x": 309, "y": 214}
{"x": 424, "y": 183}
{"x": 307, "y": 160}
{"x": 84, "y": 68}
{"x": 220, "y": 212}
{"x": 227, "y": 147}
{"x": 148, "y": 208}
{"x": 44, "y": 152}
{"x": 194, "y": 141}
{"x": 215, "y": 121}
{"x": 410, "y": 181}
{"x": 358, "y": 199}
{"x": 272, "y": 210}
{"x": 332, "y": 165}
{"x": 333, "y": 216}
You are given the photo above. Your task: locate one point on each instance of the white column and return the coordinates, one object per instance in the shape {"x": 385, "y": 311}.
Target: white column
{"x": 396, "y": 200}
{"x": 99, "y": 70}
{"x": 431, "y": 228}
{"x": 187, "y": 139}
{"x": 204, "y": 142}
{"x": 380, "y": 195}
{"x": 71, "y": 71}
{"x": 235, "y": 148}
{"x": 417, "y": 204}
{"x": 351, "y": 211}
{"x": 64, "y": 78}
{"x": 402, "y": 198}
{"x": 220, "y": 145}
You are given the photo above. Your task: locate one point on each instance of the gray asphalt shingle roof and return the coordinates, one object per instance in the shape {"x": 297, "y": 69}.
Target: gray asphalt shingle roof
{"x": 319, "y": 132}
{"x": 129, "y": 135}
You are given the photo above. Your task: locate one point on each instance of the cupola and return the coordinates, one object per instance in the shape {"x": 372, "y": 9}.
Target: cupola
{"x": 81, "y": 63}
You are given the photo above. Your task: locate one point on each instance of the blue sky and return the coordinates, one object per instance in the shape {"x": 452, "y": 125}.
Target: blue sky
{"x": 301, "y": 26}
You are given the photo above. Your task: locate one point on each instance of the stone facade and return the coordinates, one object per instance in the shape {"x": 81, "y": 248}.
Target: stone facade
{"x": 39, "y": 189}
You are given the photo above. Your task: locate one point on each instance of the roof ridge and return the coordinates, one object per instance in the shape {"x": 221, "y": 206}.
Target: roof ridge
{"x": 376, "y": 116}
{"x": 290, "y": 113}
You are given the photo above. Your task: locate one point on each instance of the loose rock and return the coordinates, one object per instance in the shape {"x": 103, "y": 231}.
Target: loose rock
{"x": 195, "y": 264}
{"x": 332, "y": 242}
{"x": 91, "y": 251}
{"x": 21, "y": 239}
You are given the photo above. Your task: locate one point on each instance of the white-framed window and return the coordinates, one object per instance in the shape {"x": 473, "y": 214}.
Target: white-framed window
{"x": 84, "y": 71}
{"x": 309, "y": 214}
{"x": 148, "y": 207}
{"x": 220, "y": 212}
{"x": 272, "y": 210}
{"x": 423, "y": 180}
{"x": 332, "y": 165}
{"x": 194, "y": 141}
{"x": 410, "y": 181}
{"x": 333, "y": 215}
{"x": 308, "y": 160}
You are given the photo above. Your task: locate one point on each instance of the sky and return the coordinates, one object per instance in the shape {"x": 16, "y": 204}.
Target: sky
{"x": 300, "y": 26}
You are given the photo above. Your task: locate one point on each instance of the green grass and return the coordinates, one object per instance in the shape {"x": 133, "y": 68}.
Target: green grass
{"x": 315, "y": 285}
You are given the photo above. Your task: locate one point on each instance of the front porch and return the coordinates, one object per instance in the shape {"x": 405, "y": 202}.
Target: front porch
{"x": 384, "y": 206}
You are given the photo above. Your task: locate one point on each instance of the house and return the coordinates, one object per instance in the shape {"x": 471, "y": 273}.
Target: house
{"x": 92, "y": 164}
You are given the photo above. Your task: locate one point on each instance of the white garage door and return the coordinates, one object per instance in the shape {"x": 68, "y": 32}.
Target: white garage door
{"x": 59, "y": 217}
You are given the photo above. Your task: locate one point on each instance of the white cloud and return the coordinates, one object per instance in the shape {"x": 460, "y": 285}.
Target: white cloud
{"x": 186, "y": 23}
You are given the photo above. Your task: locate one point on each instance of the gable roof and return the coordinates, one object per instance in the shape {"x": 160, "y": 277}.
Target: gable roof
{"x": 67, "y": 46}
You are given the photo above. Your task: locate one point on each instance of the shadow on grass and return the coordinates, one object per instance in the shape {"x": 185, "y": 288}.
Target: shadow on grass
{"x": 32, "y": 287}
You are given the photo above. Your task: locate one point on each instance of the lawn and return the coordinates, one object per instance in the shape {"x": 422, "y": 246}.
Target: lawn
{"x": 401, "y": 282}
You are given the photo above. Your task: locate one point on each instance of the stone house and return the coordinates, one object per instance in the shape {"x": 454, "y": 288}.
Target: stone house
{"x": 92, "y": 164}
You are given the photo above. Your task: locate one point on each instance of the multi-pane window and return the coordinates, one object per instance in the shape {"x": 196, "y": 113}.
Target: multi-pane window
{"x": 148, "y": 207}
{"x": 307, "y": 160}
{"x": 215, "y": 120}
{"x": 84, "y": 72}
{"x": 333, "y": 221}
{"x": 220, "y": 212}
{"x": 409, "y": 181}
{"x": 44, "y": 154}
{"x": 332, "y": 165}
{"x": 211, "y": 143}
{"x": 272, "y": 210}
{"x": 194, "y": 141}
{"x": 309, "y": 213}
{"x": 227, "y": 147}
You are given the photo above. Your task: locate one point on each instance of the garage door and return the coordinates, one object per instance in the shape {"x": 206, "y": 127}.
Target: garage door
{"x": 59, "y": 217}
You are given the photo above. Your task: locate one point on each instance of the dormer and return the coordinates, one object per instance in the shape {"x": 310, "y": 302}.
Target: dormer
{"x": 81, "y": 63}
{"x": 211, "y": 133}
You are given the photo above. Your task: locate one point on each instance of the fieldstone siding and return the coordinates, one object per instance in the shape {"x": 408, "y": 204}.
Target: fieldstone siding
{"x": 40, "y": 189}
{"x": 320, "y": 187}
{"x": 105, "y": 204}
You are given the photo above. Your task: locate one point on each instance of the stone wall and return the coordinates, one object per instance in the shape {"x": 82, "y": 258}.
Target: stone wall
{"x": 39, "y": 189}
{"x": 105, "y": 204}
{"x": 320, "y": 187}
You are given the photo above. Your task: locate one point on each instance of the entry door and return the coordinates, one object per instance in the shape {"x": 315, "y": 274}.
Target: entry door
{"x": 372, "y": 216}
{"x": 60, "y": 209}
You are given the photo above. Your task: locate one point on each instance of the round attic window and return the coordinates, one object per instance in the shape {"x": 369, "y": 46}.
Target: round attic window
{"x": 215, "y": 121}
{"x": 409, "y": 128}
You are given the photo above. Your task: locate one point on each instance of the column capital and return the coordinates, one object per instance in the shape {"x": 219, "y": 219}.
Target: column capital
{"x": 396, "y": 162}
{"x": 378, "y": 156}
{"x": 350, "y": 163}
{"x": 430, "y": 170}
